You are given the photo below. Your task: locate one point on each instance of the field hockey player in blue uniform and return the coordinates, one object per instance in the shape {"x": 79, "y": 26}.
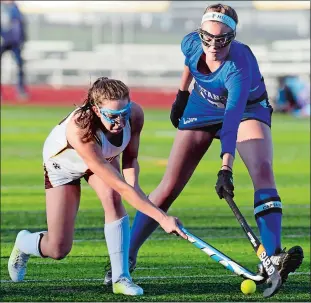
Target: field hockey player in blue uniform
{"x": 230, "y": 102}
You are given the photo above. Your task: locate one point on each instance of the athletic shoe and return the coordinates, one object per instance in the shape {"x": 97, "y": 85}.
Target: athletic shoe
{"x": 285, "y": 262}
{"x": 108, "y": 276}
{"x": 127, "y": 287}
{"x": 18, "y": 260}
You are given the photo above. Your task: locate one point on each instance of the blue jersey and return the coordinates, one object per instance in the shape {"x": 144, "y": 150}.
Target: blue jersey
{"x": 12, "y": 25}
{"x": 231, "y": 91}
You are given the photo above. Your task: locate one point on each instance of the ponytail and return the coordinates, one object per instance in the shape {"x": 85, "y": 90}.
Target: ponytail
{"x": 87, "y": 120}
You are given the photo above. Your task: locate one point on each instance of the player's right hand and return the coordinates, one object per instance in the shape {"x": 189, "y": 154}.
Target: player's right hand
{"x": 224, "y": 183}
{"x": 171, "y": 226}
{"x": 179, "y": 106}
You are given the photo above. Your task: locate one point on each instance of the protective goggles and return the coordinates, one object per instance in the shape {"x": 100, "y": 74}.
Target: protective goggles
{"x": 116, "y": 116}
{"x": 218, "y": 41}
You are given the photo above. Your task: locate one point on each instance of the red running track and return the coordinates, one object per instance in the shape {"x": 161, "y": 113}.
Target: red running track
{"x": 68, "y": 96}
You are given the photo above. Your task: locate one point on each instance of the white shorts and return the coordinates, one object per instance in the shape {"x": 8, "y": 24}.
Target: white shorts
{"x": 55, "y": 175}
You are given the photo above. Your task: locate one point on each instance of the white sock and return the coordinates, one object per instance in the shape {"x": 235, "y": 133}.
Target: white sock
{"x": 117, "y": 236}
{"x": 28, "y": 243}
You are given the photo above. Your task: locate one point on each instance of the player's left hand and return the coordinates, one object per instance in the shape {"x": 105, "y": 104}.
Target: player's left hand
{"x": 224, "y": 183}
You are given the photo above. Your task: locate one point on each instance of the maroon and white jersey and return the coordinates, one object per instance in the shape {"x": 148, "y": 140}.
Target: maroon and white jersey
{"x": 61, "y": 160}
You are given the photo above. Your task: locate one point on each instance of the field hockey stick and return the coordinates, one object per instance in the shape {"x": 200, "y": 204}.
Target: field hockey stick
{"x": 269, "y": 267}
{"x": 221, "y": 258}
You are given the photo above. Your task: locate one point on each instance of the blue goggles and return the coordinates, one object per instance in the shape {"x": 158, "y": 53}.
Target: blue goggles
{"x": 116, "y": 116}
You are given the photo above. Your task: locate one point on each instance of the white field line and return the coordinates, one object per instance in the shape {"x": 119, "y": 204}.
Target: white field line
{"x": 295, "y": 206}
{"x": 33, "y": 187}
{"x": 203, "y": 238}
{"x": 138, "y": 278}
{"x": 86, "y": 187}
{"x": 167, "y": 238}
{"x": 53, "y": 262}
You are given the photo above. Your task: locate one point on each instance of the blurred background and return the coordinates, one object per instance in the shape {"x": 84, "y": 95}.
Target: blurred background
{"x": 66, "y": 45}
{"x": 71, "y": 43}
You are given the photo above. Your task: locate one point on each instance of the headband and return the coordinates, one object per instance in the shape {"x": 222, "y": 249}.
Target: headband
{"x": 220, "y": 18}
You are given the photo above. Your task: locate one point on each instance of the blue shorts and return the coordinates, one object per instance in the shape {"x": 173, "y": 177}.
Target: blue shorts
{"x": 201, "y": 114}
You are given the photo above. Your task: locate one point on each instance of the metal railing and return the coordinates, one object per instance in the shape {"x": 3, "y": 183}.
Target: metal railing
{"x": 143, "y": 48}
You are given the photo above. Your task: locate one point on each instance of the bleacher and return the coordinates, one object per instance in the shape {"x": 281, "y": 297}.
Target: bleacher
{"x": 153, "y": 65}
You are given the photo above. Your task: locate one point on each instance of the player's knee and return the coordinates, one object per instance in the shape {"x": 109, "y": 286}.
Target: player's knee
{"x": 59, "y": 251}
{"x": 169, "y": 192}
{"x": 112, "y": 202}
{"x": 116, "y": 199}
{"x": 263, "y": 170}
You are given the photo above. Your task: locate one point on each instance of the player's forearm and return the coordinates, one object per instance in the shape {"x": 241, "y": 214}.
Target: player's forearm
{"x": 139, "y": 201}
{"x": 232, "y": 119}
{"x": 135, "y": 198}
{"x": 229, "y": 131}
{"x": 131, "y": 174}
{"x": 131, "y": 171}
{"x": 228, "y": 139}
{"x": 186, "y": 79}
{"x": 227, "y": 161}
